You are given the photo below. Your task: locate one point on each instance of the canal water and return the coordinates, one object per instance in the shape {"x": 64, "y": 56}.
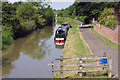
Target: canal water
{"x": 29, "y": 57}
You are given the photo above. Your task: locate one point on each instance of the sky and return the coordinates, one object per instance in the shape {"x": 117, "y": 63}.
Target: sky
{"x": 60, "y": 5}
{"x": 55, "y": 4}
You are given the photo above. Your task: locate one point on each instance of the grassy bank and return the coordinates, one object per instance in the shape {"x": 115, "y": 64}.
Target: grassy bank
{"x": 105, "y": 40}
{"x": 74, "y": 45}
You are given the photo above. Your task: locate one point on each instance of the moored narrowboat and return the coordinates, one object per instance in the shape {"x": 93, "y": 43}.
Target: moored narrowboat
{"x": 61, "y": 33}
{"x": 60, "y": 36}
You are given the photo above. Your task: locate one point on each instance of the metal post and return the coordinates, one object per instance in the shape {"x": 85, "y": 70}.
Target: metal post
{"x": 61, "y": 67}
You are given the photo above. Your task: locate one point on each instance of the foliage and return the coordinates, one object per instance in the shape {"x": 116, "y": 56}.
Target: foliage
{"x": 22, "y": 17}
{"x": 68, "y": 12}
{"x": 8, "y": 11}
{"x": 82, "y": 18}
{"x": 92, "y": 9}
{"x": 26, "y": 11}
{"x": 89, "y": 9}
{"x": 7, "y": 38}
{"x": 48, "y": 15}
{"x": 107, "y": 18}
{"x": 28, "y": 26}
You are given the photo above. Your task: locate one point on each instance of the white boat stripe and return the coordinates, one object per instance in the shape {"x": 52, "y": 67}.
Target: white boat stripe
{"x": 59, "y": 38}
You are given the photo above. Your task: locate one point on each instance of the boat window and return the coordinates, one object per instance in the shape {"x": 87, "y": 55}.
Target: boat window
{"x": 60, "y": 32}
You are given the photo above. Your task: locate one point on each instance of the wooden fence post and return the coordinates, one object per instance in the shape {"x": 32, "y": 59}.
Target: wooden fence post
{"x": 80, "y": 65}
{"x": 110, "y": 68}
{"x": 52, "y": 69}
{"x": 104, "y": 55}
{"x": 61, "y": 67}
{"x": 93, "y": 20}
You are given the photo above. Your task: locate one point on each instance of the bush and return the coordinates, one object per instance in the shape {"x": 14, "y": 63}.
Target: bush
{"x": 82, "y": 18}
{"x": 108, "y": 18}
{"x": 28, "y": 26}
{"x": 86, "y": 21}
{"x": 102, "y": 22}
{"x": 73, "y": 16}
{"x": 7, "y": 38}
{"x": 111, "y": 23}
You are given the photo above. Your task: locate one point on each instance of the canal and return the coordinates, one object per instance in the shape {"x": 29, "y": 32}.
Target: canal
{"x": 28, "y": 57}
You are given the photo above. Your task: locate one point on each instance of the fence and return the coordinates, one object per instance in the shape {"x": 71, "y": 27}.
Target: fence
{"x": 87, "y": 63}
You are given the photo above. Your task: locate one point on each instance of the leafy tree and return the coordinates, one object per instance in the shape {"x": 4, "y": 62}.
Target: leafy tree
{"x": 89, "y": 9}
{"x": 26, "y": 11}
{"x": 48, "y": 15}
{"x": 8, "y": 13}
{"x": 107, "y": 18}
{"x": 8, "y": 17}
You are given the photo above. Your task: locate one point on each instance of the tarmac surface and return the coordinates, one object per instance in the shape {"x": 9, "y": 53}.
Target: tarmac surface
{"x": 98, "y": 47}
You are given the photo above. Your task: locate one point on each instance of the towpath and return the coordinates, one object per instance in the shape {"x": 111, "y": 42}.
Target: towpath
{"x": 98, "y": 47}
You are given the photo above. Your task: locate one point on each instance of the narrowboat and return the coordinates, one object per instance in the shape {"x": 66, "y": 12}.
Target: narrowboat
{"x": 66, "y": 25}
{"x": 61, "y": 33}
{"x": 60, "y": 36}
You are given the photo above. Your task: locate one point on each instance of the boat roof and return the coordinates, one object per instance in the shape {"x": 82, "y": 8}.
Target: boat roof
{"x": 65, "y": 23}
{"x": 61, "y": 28}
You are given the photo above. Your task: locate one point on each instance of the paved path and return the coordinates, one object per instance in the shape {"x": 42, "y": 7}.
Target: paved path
{"x": 98, "y": 47}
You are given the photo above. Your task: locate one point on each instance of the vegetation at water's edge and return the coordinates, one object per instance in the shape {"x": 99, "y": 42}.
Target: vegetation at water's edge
{"x": 105, "y": 40}
{"x": 21, "y": 18}
{"x": 86, "y": 11}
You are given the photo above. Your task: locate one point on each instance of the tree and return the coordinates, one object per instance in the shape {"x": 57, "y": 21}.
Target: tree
{"x": 48, "y": 15}
{"x": 26, "y": 11}
{"x": 89, "y": 10}
{"x": 8, "y": 13}
{"x": 108, "y": 18}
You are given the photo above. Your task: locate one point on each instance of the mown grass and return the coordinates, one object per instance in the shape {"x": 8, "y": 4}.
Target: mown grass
{"x": 106, "y": 41}
{"x": 74, "y": 42}
{"x": 74, "y": 45}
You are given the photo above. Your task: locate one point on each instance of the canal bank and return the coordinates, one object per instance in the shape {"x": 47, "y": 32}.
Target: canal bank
{"x": 74, "y": 45}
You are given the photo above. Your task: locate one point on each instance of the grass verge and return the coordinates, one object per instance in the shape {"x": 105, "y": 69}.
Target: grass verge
{"x": 74, "y": 45}
{"x": 105, "y": 40}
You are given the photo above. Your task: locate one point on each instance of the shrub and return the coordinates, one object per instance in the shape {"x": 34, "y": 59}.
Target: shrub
{"x": 73, "y": 16}
{"x": 28, "y": 26}
{"x": 108, "y": 18}
{"x": 82, "y": 18}
{"x": 111, "y": 23}
{"x": 7, "y": 38}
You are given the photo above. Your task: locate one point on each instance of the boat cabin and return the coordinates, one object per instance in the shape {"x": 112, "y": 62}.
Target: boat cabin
{"x": 67, "y": 25}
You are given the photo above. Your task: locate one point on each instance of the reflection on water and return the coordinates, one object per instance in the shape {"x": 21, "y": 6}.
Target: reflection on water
{"x": 59, "y": 46}
{"x": 29, "y": 57}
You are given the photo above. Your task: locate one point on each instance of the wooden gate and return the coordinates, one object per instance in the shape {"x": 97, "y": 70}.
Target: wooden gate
{"x": 85, "y": 62}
